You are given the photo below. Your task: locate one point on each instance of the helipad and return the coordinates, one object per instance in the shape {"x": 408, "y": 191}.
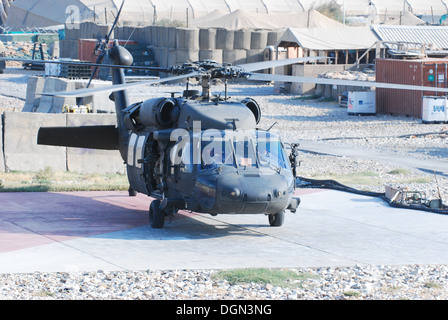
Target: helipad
{"x": 89, "y": 231}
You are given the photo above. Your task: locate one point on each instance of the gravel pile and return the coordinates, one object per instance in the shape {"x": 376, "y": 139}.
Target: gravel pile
{"x": 296, "y": 119}
{"x": 344, "y": 283}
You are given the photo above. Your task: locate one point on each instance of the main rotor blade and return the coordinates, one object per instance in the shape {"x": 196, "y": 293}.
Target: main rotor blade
{"x": 355, "y": 83}
{"x": 88, "y": 64}
{"x": 256, "y": 66}
{"x": 115, "y": 23}
{"x": 90, "y": 91}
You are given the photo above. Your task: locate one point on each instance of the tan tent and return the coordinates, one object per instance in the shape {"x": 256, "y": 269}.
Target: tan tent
{"x": 39, "y": 13}
{"x": 236, "y": 20}
{"x": 241, "y": 19}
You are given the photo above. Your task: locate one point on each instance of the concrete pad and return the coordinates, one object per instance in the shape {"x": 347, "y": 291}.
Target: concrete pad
{"x": 22, "y": 152}
{"x": 91, "y": 160}
{"x": 88, "y": 231}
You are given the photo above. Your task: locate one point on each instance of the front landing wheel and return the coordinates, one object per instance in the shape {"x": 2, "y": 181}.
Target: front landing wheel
{"x": 276, "y": 219}
{"x": 156, "y": 215}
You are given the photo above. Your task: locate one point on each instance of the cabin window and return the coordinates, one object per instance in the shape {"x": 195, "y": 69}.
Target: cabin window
{"x": 216, "y": 153}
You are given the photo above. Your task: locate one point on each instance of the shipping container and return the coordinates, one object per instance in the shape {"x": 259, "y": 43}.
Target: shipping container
{"x": 87, "y": 52}
{"x": 425, "y": 72}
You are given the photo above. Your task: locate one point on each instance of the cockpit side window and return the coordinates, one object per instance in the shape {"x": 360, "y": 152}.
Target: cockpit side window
{"x": 271, "y": 151}
{"x": 245, "y": 153}
{"x": 216, "y": 153}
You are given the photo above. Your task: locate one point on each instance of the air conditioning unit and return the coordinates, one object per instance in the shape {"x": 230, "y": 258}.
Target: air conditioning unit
{"x": 361, "y": 103}
{"x": 434, "y": 109}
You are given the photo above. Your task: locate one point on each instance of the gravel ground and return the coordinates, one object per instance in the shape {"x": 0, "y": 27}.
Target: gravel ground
{"x": 296, "y": 119}
{"x": 359, "y": 282}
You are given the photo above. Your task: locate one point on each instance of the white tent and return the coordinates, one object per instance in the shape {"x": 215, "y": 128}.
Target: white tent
{"x": 236, "y": 20}
{"x": 40, "y": 13}
{"x": 342, "y": 38}
{"x": 407, "y": 19}
{"x": 241, "y": 19}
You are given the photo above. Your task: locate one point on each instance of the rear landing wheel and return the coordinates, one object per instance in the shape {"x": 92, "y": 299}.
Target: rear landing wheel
{"x": 156, "y": 215}
{"x": 276, "y": 219}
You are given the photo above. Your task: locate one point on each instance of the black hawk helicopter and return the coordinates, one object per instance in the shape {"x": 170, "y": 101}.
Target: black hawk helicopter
{"x": 197, "y": 152}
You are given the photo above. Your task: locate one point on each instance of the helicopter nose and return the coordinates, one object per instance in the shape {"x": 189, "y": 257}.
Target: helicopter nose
{"x": 252, "y": 194}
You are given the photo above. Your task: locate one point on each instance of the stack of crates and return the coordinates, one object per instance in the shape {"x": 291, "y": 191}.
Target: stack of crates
{"x": 75, "y": 71}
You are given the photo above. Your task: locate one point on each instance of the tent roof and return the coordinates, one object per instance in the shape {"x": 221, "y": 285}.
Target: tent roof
{"x": 238, "y": 19}
{"x": 342, "y": 38}
{"x": 407, "y": 19}
{"x": 42, "y": 13}
{"x": 241, "y": 19}
{"x": 434, "y": 36}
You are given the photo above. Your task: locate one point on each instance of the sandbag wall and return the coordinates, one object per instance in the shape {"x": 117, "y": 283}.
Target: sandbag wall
{"x": 20, "y": 151}
{"x": 174, "y": 45}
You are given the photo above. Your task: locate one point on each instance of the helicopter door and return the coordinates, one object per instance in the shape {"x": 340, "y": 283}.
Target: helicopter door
{"x": 135, "y": 162}
{"x": 182, "y": 169}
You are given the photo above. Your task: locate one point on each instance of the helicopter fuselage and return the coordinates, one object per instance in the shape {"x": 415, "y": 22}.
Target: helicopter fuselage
{"x": 207, "y": 157}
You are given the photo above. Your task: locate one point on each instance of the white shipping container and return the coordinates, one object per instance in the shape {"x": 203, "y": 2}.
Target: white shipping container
{"x": 361, "y": 102}
{"x": 434, "y": 109}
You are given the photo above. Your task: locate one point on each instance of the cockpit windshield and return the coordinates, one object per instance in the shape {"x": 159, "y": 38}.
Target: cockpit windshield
{"x": 247, "y": 149}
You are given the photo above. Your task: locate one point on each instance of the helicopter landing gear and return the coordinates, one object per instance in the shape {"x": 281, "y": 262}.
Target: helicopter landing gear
{"x": 276, "y": 219}
{"x": 156, "y": 215}
{"x": 132, "y": 192}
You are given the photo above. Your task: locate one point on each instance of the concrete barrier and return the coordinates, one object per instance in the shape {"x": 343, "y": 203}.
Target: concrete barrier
{"x": 56, "y": 104}
{"x": 22, "y": 153}
{"x": 99, "y": 103}
{"x": 35, "y": 85}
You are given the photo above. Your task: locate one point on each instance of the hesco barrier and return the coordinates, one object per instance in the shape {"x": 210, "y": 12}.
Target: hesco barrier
{"x": 20, "y": 151}
{"x": 174, "y": 45}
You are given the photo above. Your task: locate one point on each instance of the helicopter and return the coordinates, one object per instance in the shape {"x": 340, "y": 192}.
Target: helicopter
{"x": 198, "y": 152}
